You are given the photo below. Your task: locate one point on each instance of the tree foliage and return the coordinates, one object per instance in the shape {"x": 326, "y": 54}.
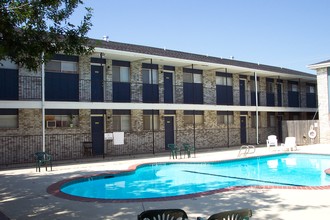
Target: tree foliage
{"x": 29, "y": 28}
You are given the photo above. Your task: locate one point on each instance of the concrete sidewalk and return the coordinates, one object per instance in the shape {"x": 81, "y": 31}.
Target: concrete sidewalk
{"x": 23, "y": 194}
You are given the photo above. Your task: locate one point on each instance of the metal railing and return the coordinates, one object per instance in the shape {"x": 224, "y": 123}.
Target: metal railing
{"x": 20, "y": 149}
{"x": 30, "y": 89}
{"x": 247, "y": 149}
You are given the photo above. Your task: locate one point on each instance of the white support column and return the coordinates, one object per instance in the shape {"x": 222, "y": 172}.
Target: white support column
{"x": 256, "y": 97}
{"x": 43, "y": 101}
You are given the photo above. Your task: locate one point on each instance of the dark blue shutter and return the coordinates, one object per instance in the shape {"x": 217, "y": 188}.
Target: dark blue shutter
{"x": 193, "y": 93}
{"x": 188, "y": 93}
{"x": 311, "y": 100}
{"x": 121, "y": 91}
{"x": 8, "y": 84}
{"x": 224, "y": 95}
{"x": 270, "y": 99}
{"x": 198, "y": 93}
{"x": 150, "y": 93}
{"x": 293, "y": 98}
{"x": 61, "y": 87}
{"x": 253, "y": 98}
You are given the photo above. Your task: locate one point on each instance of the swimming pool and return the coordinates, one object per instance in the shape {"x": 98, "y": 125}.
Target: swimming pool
{"x": 164, "y": 180}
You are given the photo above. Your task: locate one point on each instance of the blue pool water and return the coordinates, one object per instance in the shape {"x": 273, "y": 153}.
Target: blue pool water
{"x": 177, "y": 179}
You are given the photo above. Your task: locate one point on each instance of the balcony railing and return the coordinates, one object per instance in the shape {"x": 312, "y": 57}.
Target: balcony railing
{"x": 30, "y": 89}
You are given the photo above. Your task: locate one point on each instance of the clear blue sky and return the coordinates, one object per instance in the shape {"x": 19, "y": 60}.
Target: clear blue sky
{"x": 284, "y": 33}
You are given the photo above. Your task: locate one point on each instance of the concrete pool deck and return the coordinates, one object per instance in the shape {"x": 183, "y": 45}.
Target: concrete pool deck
{"x": 23, "y": 193}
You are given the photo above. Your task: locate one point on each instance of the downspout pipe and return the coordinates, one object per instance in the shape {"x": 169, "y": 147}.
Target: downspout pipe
{"x": 152, "y": 112}
{"x": 227, "y": 111}
{"x": 102, "y": 69}
{"x": 192, "y": 67}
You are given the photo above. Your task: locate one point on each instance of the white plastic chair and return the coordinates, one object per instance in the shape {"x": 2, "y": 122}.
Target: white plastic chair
{"x": 272, "y": 141}
{"x": 290, "y": 144}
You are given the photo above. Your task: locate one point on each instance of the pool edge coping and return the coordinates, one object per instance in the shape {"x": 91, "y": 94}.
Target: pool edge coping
{"x": 55, "y": 188}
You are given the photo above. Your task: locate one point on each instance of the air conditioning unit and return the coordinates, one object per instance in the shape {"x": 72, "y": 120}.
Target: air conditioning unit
{"x": 51, "y": 124}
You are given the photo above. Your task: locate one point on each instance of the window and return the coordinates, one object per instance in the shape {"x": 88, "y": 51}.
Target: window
{"x": 120, "y": 74}
{"x": 270, "y": 87}
{"x": 61, "y": 66}
{"x": 310, "y": 89}
{"x": 121, "y": 87}
{"x": 225, "y": 118}
{"x": 59, "y": 118}
{"x": 150, "y": 76}
{"x": 150, "y": 90}
{"x": 7, "y": 64}
{"x": 193, "y": 86}
{"x": 148, "y": 118}
{"x": 121, "y": 120}
{"x": 190, "y": 117}
{"x": 8, "y": 118}
{"x": 224, "y": 81}
{"x": 311, "y": 96}
{"x": 192, "y": 77}
{"x": 224, "y": 88}
{"x": 293, "y": 87}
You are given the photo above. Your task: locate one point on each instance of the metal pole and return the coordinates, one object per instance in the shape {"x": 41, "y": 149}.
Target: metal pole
{"x": 227, "y": 111}
{"x": 152, "y": 111}
{"x": 43, "y": 100}
{"x": 257, "y": 116}
{"x": 104, "y": 119}
{"x": 192, "y": 67}
{"x": 299, "y": 93}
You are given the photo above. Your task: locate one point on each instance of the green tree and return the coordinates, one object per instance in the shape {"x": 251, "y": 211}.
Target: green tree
{"x": 29, "y": 28}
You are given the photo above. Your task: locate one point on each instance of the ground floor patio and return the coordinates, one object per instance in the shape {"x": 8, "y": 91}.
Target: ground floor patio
{"x": 23, "y": 193}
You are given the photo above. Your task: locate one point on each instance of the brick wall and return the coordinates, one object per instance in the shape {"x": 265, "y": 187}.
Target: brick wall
{"x": 66, "y": 143}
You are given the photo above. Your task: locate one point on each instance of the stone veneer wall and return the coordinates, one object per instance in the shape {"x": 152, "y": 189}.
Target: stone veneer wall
{"x": 136, "y": 81}
{"x": 209, "y": 84}
{"x": 285, "y": 100}
{"x": 108, "y": 81}
{"x": 262, "y": 91}
{"x": 161, "y": 82}
{"x": 323, "y": 100}
{"x": 302, "y": 94}
{"x": 209, "y": 134}
{"x": 236, "y": 99}
{"x": 178, "y": 94}
{"x": 84, "y": 78}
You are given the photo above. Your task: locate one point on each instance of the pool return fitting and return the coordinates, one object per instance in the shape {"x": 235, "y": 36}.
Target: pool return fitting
{"x": 246, "y": 149}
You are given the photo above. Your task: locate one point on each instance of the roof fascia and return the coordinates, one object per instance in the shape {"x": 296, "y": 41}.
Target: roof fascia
{"x": 180, "y": 60}
{"x": 319, "y": 66}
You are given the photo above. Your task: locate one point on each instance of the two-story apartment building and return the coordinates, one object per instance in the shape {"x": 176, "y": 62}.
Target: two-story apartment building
{"x": 155, "y": 96}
